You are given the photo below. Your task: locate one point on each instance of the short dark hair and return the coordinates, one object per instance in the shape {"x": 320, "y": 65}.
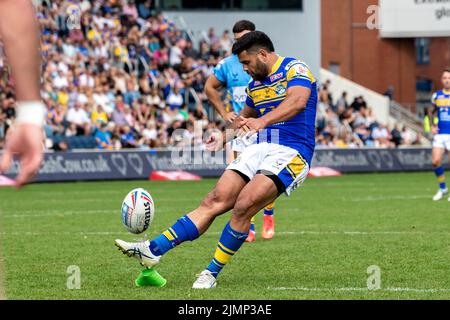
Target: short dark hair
{"x": 253, "y": 41}
{"x": 243, "y": 25}
{"x": 446, "y": 70}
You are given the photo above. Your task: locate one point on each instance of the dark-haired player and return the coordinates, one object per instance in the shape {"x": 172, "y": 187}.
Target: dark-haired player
{"x": 230, "y": 74}
{"x": 281, "y": 108}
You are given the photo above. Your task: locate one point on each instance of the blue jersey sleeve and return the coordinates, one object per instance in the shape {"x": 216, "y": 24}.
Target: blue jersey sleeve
{"x": 220, "y": 72}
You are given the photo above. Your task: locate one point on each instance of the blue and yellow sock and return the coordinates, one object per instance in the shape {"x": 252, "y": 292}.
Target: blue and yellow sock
{"x": 269, "y": 210}
{"x": 440, "y": 174}
{"x": 229, "y": 243}
{"x": 183, "y": 230}
{"x": 252, "y": 225}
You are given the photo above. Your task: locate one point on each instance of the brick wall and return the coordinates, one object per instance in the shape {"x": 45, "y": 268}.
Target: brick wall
{"x": 371, "y": 61}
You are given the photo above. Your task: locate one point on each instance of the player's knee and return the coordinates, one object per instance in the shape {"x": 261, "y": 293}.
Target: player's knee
{"x": 214, "y": 200}
{"x": 436, "y": 163}
{"x": 242, "y": 207}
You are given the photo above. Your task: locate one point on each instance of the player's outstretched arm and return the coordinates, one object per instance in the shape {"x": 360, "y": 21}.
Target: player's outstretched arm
{"x": 212, "y": 87}
{"x": 295, "y": 102}
{"x": 20, "y": 35}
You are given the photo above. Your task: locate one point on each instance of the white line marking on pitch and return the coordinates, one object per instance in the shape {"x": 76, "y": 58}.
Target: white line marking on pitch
{"x": 214, "y": 233}
{"x": 56, "y": 213}
{"x": 369, "y": 199}
{"x": 358, "y": 289}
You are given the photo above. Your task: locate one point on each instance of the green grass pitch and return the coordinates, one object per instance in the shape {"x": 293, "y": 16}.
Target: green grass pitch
{"x": 327, "y": 235}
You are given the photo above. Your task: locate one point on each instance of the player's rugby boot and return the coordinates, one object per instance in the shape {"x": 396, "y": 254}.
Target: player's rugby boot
{"x": 139, "y": 250}
{"x": 205, "y": 280}
{"x": 440, "y": 194}
{"x": 268, "y": 228}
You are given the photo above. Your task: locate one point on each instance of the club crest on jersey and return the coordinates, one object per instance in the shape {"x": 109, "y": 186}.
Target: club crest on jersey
{"x": 276, "y": 77}
{"x": 280, "y": 89}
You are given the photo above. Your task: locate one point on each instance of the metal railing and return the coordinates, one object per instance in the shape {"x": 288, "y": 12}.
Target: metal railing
{"x": 403, "y": 115}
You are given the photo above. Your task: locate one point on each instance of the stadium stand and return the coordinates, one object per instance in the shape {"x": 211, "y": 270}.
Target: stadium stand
{"x": 128, "y": 78}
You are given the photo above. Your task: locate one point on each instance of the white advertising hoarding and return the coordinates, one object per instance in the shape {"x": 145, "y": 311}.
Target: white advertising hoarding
{"x": 414, "y": 18}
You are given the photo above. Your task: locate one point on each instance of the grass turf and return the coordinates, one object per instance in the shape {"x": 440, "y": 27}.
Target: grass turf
{"x": 327, "y": 235}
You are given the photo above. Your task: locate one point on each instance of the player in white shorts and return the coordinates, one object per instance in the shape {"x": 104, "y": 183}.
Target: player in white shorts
{"x": 284, "y": 119}
{"x": 230, "y": 74}
{"x": 441, "y": 142}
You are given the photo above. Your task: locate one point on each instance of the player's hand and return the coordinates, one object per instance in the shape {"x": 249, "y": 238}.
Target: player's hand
{"x": 253, "y": 124}
{"x": 25, "y": 140}
{"x": 434, "y": 130}
{"x": 214, "y": 142}
{"x": 230, "y": 117}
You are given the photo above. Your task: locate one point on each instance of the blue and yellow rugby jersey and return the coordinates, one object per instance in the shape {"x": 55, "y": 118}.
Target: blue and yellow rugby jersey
{"x": 299, "y": 132}
{"x": 231, "y": 73}
{"x": 441, "y": 101}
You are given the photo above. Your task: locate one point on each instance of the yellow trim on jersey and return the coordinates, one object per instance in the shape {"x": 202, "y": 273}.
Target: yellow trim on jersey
{"x": 280, "y": 98}
{"x": 262, "y": 110}
{"x": 292, "y": 73}
{"x": 283, "y": 81}
{"x": 445, "y": 91}
{"x": 441, "y": 179}
{"x": 277, "y": 65}
{"x": 263, "y": 94}
{"x": 442, "y": 102}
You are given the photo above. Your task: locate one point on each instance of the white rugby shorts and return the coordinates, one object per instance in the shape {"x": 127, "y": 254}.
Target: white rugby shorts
{"x": 442, "y": 141}
{"x": 286, "y": 164}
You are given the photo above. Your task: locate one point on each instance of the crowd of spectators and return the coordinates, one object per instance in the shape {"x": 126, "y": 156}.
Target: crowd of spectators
{"x": 352, "y": 124}
{"x": 123, "y": 75}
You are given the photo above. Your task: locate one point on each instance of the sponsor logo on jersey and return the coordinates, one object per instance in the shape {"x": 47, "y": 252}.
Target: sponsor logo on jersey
{"x": 276, "y": 77}
{"x": 301, "y": 71}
